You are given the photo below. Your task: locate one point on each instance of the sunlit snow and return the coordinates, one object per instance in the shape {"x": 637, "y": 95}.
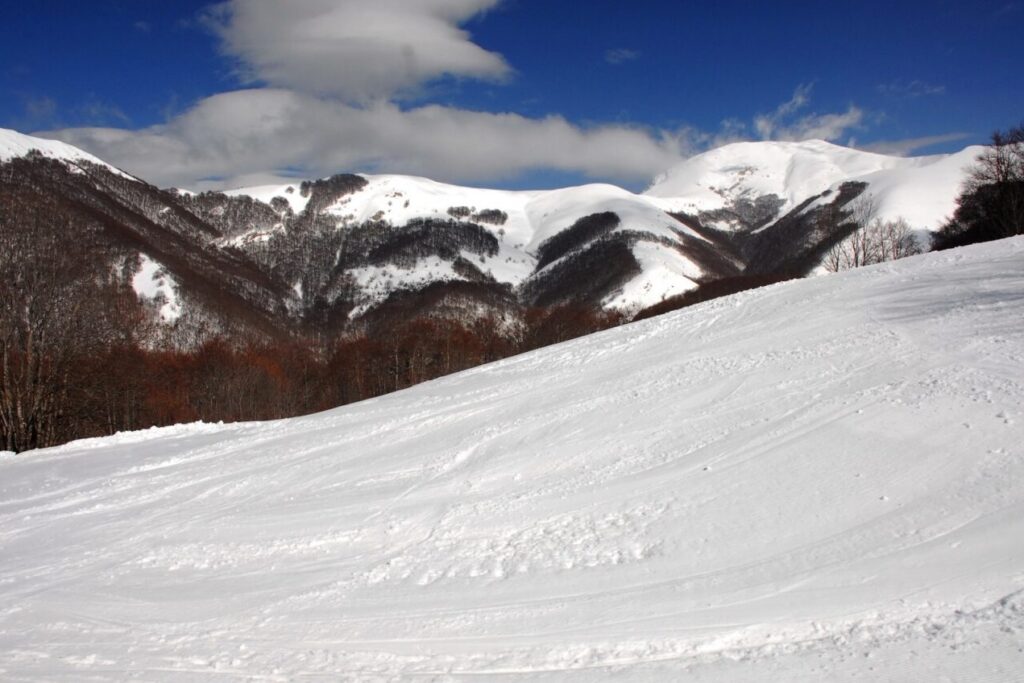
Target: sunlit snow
{"x": 818, "y": 480}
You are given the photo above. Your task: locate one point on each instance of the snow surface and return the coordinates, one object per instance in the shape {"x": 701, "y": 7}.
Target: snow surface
{"x": 14, "y": 144}
{"x": 924, "y": 195}
{"x": 819, "y": 480}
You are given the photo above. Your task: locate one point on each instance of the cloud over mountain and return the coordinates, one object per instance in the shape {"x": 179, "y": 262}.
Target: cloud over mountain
{"x": 329, "y": 81}
{"x": 271, "y": 131}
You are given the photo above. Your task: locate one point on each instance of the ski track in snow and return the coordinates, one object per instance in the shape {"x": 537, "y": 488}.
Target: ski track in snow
{"x": 818, "y": 480}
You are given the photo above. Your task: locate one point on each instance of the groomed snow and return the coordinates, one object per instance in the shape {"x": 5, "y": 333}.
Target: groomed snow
{"x": 820, "y": 480}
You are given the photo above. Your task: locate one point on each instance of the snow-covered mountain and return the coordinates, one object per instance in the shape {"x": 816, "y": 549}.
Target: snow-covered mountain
{"x": 820, "y": 480}
{"x": 523, "y": 222}
{"x": 354, "y": 249}
{"x": 921, "y": 190}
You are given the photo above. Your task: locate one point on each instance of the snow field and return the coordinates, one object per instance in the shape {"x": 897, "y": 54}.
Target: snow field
{"x": 815, "y": 480}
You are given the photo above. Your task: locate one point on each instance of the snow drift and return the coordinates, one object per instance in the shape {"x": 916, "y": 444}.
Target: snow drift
{"x": 810, "y": 481}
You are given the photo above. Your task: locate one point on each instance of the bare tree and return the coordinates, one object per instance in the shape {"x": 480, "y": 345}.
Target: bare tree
{"x": 51, "y": 306}
{"x": 991, "y": 203}
{"x": 897, "y": 240}
{"x": 872, "y": 241}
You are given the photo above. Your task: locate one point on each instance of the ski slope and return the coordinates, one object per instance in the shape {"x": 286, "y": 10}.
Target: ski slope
{"x": 819, "y": 480}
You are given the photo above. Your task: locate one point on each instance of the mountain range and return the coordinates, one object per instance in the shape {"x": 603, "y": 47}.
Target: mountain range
{"x": 354, "y": 251}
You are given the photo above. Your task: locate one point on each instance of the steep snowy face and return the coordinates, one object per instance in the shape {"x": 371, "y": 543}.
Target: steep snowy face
{"x": 14, "y": 144}
{"x": 821, "y": 476}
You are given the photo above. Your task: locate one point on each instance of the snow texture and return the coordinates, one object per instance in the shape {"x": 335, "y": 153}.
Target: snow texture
{"x": 818, "y": 480}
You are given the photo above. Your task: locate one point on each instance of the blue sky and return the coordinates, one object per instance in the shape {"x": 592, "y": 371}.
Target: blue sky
{"x": 510, "y": 93}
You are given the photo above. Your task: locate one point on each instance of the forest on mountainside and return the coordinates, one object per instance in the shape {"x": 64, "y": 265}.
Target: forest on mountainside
{"x": 82, "y": 354}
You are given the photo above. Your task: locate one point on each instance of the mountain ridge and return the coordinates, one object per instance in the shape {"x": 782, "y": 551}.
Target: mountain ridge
{"x": 331, "y": 254}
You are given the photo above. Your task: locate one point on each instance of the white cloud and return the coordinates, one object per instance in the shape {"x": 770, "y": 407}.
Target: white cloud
{"x": 356, "y": 50}
{"x": 620, "y": 55}
{"x": 228, "y": 139}
{"x": 783, "y": 124}
{"x": 237, "y": 138}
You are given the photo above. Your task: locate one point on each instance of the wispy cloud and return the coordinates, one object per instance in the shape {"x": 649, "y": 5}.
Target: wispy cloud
{"x": 911, "y": 145}
{"x": 911, "y": 89}
{"x": 96, "y": 112}
{"x": 620, "y": 55}
{"x": 39, "y": 111}
{"x": 1008, "y": 8}
{"x": 142, "y": 26}
{"x": 785, "y": 124}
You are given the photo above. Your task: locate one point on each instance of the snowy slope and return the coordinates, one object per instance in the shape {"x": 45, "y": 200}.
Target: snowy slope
{"x": 14, "y": 144}
{"x": 923, "y": 194}
{"x": 821, "y": 480}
